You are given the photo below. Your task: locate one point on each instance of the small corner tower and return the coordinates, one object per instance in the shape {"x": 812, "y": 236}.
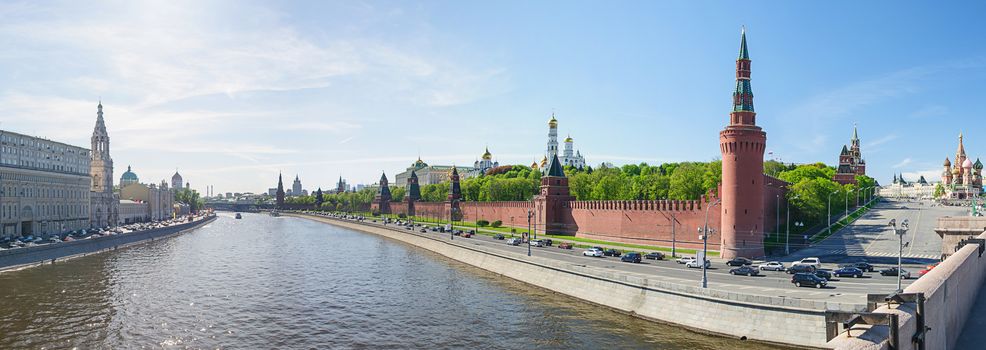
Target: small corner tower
{"x": 382, "y": 201}
{"x": 742, "y": 144}
{"x": 455, "y": 195}
{"x": 554, "y": 197}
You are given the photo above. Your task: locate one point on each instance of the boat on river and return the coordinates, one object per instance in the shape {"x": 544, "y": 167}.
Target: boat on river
{"x": 239, "y": 216}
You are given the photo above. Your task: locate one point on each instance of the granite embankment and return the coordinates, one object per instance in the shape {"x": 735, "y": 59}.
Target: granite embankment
{"x": 50, "y": 253}
{"x": 756, "y": 317}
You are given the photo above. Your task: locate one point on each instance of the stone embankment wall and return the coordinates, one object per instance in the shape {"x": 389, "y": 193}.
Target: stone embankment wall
{"x": 16, "y": 258}
{"x": 765, "y": 318}
{"x": 950, "y": 291}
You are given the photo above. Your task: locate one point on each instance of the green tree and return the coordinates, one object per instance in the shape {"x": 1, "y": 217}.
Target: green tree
{"x": 687, "y": 181}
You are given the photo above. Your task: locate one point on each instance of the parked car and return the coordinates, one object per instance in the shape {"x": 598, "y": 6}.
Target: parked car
{"x": 513, "y": 241}
{"x": 744, "y": 270}
{"x": 612, "y": 252}
{"x": 631, "y": 257}
{"x": 772, "y": 266}
{"x": 848, "y": 271}
{"x": 892, "y": 271}
{"x": 807, "y": 279}
{"x": 467, "y": 235}
{"x": 565, "y": 246}
{"x": 654, "y": 256}
{"x": 593, "y": 252}
{"x": 813, "y": 262}
{"x": 862, "y": 265}
{"x": 739, "y": 262}
{"x": 424, "y": 230}
{"x": 695, "y": 263}
{"x": 498, "y": 236}
{"x": 823, "y": 274}
{"x": 537, "y": 243}
{"x": 799, "y": 268}
{"x": 927, "y": 269}
{"x": 547, "y": 242}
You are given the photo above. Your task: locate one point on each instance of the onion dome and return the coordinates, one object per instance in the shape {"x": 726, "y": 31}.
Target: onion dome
{"x": 487, "y": 155}
{"x": 569, "y": 139}
{"x": 956, "y": 171}
{"x": 553, "y": 122}
{"x": 948, "y": 163}
{"x": 418, "y": 164}
{"x": 978, "y": 165}
{"x": 544, "y": 161}
{"x": 534, "y": 165}
{"x": 967, "y": 164}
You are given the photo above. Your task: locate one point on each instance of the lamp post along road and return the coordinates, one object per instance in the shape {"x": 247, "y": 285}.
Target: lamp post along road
{"x": 830, "y": 211}
{"x": 529, "y": 215}
{"x": 787, "y": 239}
{"x": 705, "y": 245}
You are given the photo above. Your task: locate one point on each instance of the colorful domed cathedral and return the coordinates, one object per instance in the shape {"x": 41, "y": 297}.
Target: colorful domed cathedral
{"x": 486, "y": 163}
{"x": 851, "y": 162}
{"x": 570, "y": 157}
{"x": 964, "y": 180}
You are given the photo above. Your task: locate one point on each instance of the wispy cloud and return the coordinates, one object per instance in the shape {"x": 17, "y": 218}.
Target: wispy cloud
{"x": 929, "y": 111}
{"x": 882, "y": 140}
{"x": 903, "y": 163}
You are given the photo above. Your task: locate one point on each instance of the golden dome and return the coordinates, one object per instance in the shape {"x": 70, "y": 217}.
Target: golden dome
{"x": 553, "y": 122}
{"x": 534, "y": 165}
{"x": 544, "y": 161}
{"x": 569, "y": 139}
{"x": 487, "y": 155}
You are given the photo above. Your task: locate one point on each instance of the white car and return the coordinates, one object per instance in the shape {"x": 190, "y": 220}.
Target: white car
{"x": 685, "y": 259}
{"x": 813, "y": 262}
{"x": 537, "y": 243}
{"x": 593, "y": 252}
{"x": 772, "y": 266}
{"x": 695, "y": 263}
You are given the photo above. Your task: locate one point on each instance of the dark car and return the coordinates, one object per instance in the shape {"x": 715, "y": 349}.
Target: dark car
{"x": 547, "y": 242}
{"x": 565, "y": 246}
{"x": 744, "y": 270}
{"x": 424, "y": 230}
{"x": 655, "y": 256}
{"x": 892, "y": 271}
{"x": 801, "y": 269}
{"x": 739, "y": 262}
{"x": 808, "y": 280}
{"x": 823, "y": 274}
{"x": 611, "y": 252}
{"x": 848, "y": 271}
{"x": 631, "y": 257}
{"x": 862, "y": 265}
{"x": 499, "y": 236}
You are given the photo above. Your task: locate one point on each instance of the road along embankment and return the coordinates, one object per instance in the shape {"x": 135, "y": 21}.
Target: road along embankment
{"x": 744, "y": 316}
{"x": 51, "y": 253}
{"x": 948, "y": 291}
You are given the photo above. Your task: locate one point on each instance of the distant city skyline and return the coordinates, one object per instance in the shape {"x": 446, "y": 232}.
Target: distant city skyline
{"x": 347, "y": 88}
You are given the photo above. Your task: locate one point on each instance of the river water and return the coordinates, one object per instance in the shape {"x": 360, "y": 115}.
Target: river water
{"x": 289, "y": 283}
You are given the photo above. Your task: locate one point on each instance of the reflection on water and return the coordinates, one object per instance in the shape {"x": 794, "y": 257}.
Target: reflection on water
{"x": 264, "y": 282}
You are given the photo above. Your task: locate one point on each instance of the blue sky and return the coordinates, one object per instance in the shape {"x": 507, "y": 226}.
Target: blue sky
{"x": 231, "y": 92}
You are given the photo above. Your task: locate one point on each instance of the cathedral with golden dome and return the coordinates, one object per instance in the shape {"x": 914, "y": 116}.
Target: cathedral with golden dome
{"x": 962, "y": 179}
{"x": 570, "y": 156}
{"x": 486, "y": 163}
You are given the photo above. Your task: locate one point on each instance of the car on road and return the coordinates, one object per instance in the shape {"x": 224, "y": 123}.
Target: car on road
{"x": 467, "y": 235}
{"x": 744, "y": 270}
{"x": 696, "y": 264}
{"x": 654, "y": 256}
{"x": 798, "y": 268}
{"x": 593, "y": 252}
{"x": 862, "y": 265}
{"x": 565, "y": 245}
{"x": 612, "y": 252}
{"x": 424, "y": 230}
{"x": 813, "y": 262}
{"x": 823, "y": 274}
{"x": 547, "y": 242}
{"x": 772, "y": 266}
{"x": 739, "y": 262}
{"x": 808, "y": 280}
{"x": 848, "y": 272}
{"x": 684, "y": 259}
{"x": 498, "y": 236}
{"x": 631, "y": 257}
{"x": 892, "y": 271}
{"x": 536, "y": 243}
{"x": 513, "y": 241}
{"x": 927, "y": 269}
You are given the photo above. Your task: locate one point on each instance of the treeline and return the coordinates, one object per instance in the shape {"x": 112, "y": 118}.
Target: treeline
{"x": 811, "y": 186}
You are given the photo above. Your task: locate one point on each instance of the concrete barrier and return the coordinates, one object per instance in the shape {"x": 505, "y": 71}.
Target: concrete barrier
{"x": 744, "y": 316}
{"x": 950, "y": 290}
{"x": 47, "y": 253}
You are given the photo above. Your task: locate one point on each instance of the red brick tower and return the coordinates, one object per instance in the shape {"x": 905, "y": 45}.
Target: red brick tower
{"x": 742, "y": 144}
{"x": 455, "y": 195}
{"x": 554, "y": 195}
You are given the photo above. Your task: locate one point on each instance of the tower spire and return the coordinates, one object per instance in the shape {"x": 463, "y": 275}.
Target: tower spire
{"x": 743, "y": 54}
{"x": 743, "y": 96}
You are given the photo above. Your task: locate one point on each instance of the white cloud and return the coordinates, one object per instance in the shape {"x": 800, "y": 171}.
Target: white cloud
{"x": 903, "y": 163}
{"x": 931, "y": 175}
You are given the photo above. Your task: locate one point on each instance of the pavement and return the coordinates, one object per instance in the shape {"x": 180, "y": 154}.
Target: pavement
{"x": 870, "y": 238}
{"x": 769, "y": 283}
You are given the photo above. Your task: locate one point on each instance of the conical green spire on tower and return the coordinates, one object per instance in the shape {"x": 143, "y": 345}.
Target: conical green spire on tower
{"x": 743, "y": 53}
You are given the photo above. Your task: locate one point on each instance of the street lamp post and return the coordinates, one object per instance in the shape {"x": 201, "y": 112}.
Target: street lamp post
{"x": 777, "y": 217}
{"x": 847, "y": 203}
{"x": 787, "y": 240}
{"x": 830, "y": 211}
{"x": 530, "y": 214}
{"x": 900, "y": 232}
{"x": 451, "y": 220}
{"x": 705, "y": 245}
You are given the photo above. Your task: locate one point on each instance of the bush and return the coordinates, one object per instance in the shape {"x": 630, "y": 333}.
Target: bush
{"x": 402, "y": 216}
{"x": 482, "y": 223}
{"x": 497, "y": 223}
